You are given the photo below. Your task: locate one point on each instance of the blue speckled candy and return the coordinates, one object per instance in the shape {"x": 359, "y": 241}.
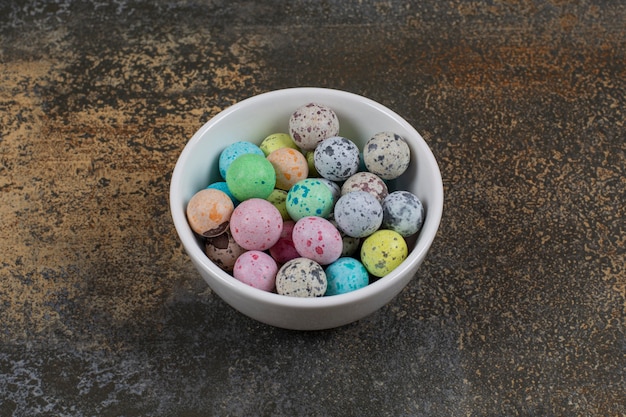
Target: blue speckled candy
{"x": 301, "y": 277}
{"x": 403, "y": 212}
{"x": 387, "y": 155}
{"x": 232, "y": 152}
{"x": 345, "y": 275}
{"x": 358, "y": 214}
{"x": 222, "y": 186}
{"x": 336, "y": 158}
{"x": 309, "y": 197}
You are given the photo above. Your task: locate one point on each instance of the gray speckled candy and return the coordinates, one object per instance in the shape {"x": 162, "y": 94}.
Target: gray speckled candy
{"x": 358, "y": 214}
{"x": 301, "y": 277}
{"x": 312, "y": 123}
{"x": 336, "y": 158}
{"x": 387, "y": 155}
{"x": 403, "y": 213}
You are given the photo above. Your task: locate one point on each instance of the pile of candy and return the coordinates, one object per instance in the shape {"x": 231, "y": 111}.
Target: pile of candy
{"x": 306, "y": 213}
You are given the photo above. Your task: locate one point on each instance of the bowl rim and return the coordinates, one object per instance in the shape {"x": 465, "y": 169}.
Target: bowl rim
{"x": 189, "y": 240}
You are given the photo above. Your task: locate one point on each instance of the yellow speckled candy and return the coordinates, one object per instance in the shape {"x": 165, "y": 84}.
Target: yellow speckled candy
{"x": 279, "y": 199}
{"x": 383, "y": 251}
{"x": 277, "y": 141}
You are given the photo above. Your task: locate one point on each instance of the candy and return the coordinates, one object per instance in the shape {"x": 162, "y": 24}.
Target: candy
{"x": 209, "y": 211}
{"x": 317, "y": 239}
{"x": 290, "y": 167}
{"x": 383, "y": 251}
{"x": 366, "y": 181}
{"x": 223, "y": 250}
{"x": 403, "y": 212}
{"x": 301, "y": 277}
{"x": 222, "y": 186}
{"x": 233, "y": 152}
{"x": 312, "y": 123}
{"x": 278, "y": 198}
{"x": 345, "y": 275}
{"x": 256, "y": 269}
{"x": 309, "y": 197}
{"x": 387, "y": 155}
{"x": 277, "y": 141}
{"x": 256, "y": 224}
{"x": 336, "y": 158}
{"x": 284, "y": 250}
{"x": 250, "y": 176}
{"x": 350, "y": 244}
{"x": 358, "y": 214}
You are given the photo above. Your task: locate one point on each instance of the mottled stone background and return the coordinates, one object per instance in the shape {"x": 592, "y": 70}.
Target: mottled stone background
{"x": 519, "y": 309}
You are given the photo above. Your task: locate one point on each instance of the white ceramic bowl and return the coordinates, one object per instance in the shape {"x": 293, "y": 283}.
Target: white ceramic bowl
{"x": 255, "y": 118}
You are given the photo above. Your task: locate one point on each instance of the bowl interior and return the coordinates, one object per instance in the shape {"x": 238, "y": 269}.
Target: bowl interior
{"x": 254, "y": 119}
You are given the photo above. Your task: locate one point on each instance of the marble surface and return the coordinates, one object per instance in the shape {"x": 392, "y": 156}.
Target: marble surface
{"x": 519, "y": 309}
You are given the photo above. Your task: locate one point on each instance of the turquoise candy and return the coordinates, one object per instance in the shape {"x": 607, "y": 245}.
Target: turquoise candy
{"x": 345, "y": 275}
{"x": 234, "y": 151}
{"x": 251, "y": 176}
{"x": 309, "y": 197}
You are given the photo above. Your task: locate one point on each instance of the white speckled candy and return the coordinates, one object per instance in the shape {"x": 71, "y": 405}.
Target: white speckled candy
{"x": 387, "y": 155}
{"x": 358, "y": 214}
{"x": 312, "y": 123}
{"x": 403, "y": 212}
{"x": 317, "y": 239}
{"x": 301, "y": 277}
{"x": 366, "y": 181}
{"x": 256, "y": 269}
{"x": 336, "y": 158}
{"x": 256, "y": 224}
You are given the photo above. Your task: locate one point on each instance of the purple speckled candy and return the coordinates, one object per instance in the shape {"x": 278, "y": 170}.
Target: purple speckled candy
{"x": 336, "y": 158}
{"x": 387, "y": 155}
{"x": 403, "y": 212}
{"x": 301, "y": 277}
{"x": 312, "y": 123}
{"x": 256, "y": 224}
{"x": 256, "y": 269}
{"x": 223, "y": 250}
{"x": 358, "y": 214}
{"x": 317, "y": 239}
{"x": 366, "y": 181}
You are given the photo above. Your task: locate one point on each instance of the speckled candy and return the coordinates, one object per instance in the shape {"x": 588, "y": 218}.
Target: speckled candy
{"x": 368, "y": 182}
{"x": 222, "y": 186}
{"x": 336, "y": 158}
{"x": 317, "y": 239}
{"x": 234, "y": 151}
{"x": 403, "y": 212}
{"x": 335, "y": 189}
{"x": 358, "y": 214}
{"x": 256, "y": 224}
{"x": 290, "y": 166}
{"x": 284, "y": 250}
{"x": 345, "y": 275}
{"x": 256, "y": 269}
{"x": 312, "y": 123}
{"x": 309, "y": 197}
{"x": 301, "y": 277}
{"x": 278, "y": 198}
{"x": 350, "y": 244}
{"x": 223, "y": 250}
{"x": 209, "y": 211}
{"x": 387, "y": 155}
{"x": 277, "y": 141}
{"x": 383, "y": 251}
{"x": 251, "y": 176}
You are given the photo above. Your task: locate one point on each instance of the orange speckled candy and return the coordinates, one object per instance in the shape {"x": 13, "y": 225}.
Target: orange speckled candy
{"x": 290, "y": 165}
{"x": 209, "y": 211}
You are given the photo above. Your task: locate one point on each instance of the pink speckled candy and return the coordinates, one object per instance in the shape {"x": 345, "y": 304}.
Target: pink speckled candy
{"x": 256, "y": 224}
{"x": 256, "y": 269}
{"x": 317, "y": 239}
{"x": 284, "y": 250}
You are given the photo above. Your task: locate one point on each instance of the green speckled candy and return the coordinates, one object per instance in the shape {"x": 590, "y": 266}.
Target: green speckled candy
{"x": 309, "y": 197}
{"x": 251, "y": 176}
